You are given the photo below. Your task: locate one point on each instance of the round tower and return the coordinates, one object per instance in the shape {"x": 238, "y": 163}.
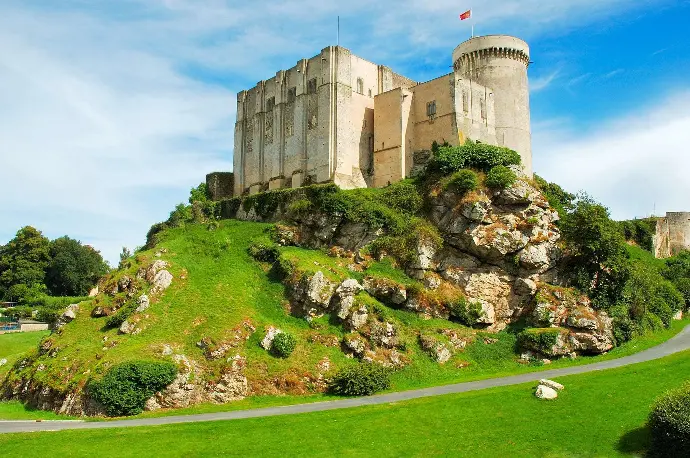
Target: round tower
{"x": 500, "y": 62}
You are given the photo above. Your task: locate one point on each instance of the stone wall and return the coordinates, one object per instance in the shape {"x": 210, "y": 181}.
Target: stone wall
{"x": 672, "y": 234}
{"x": 220, "y": 185}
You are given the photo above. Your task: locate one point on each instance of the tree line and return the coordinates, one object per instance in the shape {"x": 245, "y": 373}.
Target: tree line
{"x": 31, "y": 265}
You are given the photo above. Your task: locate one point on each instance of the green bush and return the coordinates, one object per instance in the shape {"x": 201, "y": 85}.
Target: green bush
{"x": 264, "y": 252}
{"x": 480, "y": 156}
{"x": 300, "y": 207}
{"x": 360, "y": 380}
{"x": 640, "y": 231}
{"x": 125, "y": 387}
{"x": 500, "y": 177}
{"x": 539, "y": 339}
{"x": 463, "y": 181}
{"x": 669, "y": 423}
{"x": 116, "y": 320}
{"x": 283, "y": 344}
{"x": 403, "y": 196}
{"x": 467, "y": 312}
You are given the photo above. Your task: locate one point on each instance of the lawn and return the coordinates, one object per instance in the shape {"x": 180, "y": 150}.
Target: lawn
{"x": 13, "y": 345}
{"x": 598, "y": 414}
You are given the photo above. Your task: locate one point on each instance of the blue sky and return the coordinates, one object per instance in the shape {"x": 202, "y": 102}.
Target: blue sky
{"x": 111, "y": 111}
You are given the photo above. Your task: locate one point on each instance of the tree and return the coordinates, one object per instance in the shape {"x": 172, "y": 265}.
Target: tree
{"x": 74, "y": 268}
{"x": 199, "y": 194}
{"x": 125, "y": 254}
{"x": 598, "y": 259}
{"x": 22, "y": 264}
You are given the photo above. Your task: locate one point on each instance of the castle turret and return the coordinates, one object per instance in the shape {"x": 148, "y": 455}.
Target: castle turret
{"x": 500, "y": 62}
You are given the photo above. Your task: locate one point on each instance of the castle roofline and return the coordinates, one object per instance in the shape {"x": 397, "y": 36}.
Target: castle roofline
{"x": 489, "y": 42}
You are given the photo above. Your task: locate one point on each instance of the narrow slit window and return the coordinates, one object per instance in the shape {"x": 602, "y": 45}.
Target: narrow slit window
{"x": 360, "y": 86}
{"x": 431, "y": 108}
{"x": 311, "y": 86}
{"x": 292, "y": 95}
{"x": 270, "y": 103}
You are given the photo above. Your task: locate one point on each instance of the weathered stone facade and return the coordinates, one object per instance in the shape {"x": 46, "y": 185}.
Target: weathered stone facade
{"x": 672, "y": 234}
{"x": 337, "y": 117}
{"x": 220, "y": 185}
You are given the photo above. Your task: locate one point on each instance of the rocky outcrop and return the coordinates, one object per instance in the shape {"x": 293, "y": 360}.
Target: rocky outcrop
{"x": 67, "y": 316}
{"x": 581, "y": 329}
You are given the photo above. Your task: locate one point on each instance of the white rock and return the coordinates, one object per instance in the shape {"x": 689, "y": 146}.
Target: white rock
{"x": 161, "y": 281}
{"x": 271, "y": 334}
{"x": 544, "y": 392}
{"x": 3, "y": 361}
{"x": 551, "y": 384}
{"x": 678, "y": 315}
{"x": 143, "y": 302}
{"x": 167, "y": 350}
{"x": 127, "y": 327}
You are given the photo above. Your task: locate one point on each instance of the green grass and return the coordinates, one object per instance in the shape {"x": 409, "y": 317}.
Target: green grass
{"x": 14, "y": 345}
{"x": 598, "y": 414}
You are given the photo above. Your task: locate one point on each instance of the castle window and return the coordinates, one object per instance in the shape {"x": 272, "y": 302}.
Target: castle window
{"x": 292, "y": 95}
{"x": 369, "y": 93}
{"x": 431, "y": 108}
{"x": 311, "y": 86}
{"x": 482, "y": 106}
{"x": 360, "y": 86}
{"x": 270, "y": 103}
{"x": 465, "y": 102}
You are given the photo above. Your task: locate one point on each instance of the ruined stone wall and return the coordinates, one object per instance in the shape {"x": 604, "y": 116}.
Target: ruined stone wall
{"x": 220, "y": 185}
{"x": 672, "y": 234}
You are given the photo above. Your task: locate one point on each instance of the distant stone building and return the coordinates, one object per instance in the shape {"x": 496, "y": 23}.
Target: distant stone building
{"x": 672, "y": 234}
{"x": 337, "y": 117}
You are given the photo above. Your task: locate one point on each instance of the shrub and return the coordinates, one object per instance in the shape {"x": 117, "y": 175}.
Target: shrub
{"x": 283, "y": 344}
{"x": 540, "y": 339}
{"x": 125, "y": 387}
{"x": 300, "y": 207}
{"x": 116, "y": 320}
{"x": 264, "y": 252}
{"x": 559, "y": 199}
{"x": 463, "y": 181}
{"x": 360, "y": 380}
{"x": 669, "y": 423}
{"x": 480, "y": 156}
{"x": 467, "y": 312}
{"x": 403, "y": 196}
{"x": 500, "y": 177}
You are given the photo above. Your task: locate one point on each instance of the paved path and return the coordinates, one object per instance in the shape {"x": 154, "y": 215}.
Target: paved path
{"x": 678, "y": 343}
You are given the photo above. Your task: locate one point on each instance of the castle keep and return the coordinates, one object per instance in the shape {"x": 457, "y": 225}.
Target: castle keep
{"x": 337, "y": 117}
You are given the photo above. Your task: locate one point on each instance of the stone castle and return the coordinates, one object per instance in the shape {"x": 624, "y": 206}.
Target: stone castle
{"x": 337, "y": 117}
{"x": 672, "y": 234}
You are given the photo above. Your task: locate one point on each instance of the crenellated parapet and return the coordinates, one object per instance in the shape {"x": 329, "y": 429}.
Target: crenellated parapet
{"x": 469, "y": 59}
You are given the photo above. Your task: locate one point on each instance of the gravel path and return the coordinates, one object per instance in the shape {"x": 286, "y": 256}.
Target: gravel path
{"x": 676, "y": 344}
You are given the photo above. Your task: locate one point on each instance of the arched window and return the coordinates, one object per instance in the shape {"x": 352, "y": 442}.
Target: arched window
{"x": 360, "y": 86}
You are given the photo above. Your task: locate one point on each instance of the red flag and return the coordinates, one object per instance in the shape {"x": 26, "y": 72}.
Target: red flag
{"x": 466, "y": 15}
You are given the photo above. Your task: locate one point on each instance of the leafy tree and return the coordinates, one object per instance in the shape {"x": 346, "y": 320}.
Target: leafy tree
{"x": 199, "y": 194}
{"x": 73, "y": 268}
{"x": 677, "y": 270}
{"x": 125, "y": 254}
{"x": 561, "y": 200}
{"x": 598, "y": 259}
{"x": 23, "y": 262}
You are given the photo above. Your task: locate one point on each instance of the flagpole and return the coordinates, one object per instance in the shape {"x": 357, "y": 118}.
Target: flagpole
{"x": 338, "y": 30}
{"x": 472, "y": 22}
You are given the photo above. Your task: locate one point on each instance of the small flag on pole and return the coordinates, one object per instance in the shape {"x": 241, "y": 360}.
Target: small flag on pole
{"x": 466, "y": 15}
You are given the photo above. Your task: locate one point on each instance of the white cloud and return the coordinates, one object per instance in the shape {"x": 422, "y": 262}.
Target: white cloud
{"x": 542, "y": 82}
{"x": 633, "y": 165}
{"x": 111, "y": 111}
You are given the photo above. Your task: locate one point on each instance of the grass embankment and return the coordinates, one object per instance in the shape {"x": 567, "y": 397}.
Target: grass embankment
{"x": 598, "y": 414}
{"x": 217, "y": 285}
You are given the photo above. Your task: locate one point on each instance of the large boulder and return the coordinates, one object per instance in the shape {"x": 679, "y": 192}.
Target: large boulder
{"x": 313, "y": 293}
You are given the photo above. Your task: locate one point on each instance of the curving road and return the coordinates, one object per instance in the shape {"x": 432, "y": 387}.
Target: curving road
{"x": 676, "y": 344}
